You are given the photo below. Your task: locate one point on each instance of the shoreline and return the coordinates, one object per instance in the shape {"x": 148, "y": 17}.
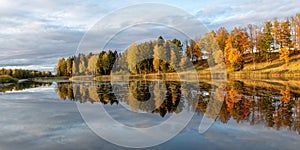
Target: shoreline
{"x": 196, "y": 76}
{"x": 5, "y": 84}
{"x": 180, "y": 76}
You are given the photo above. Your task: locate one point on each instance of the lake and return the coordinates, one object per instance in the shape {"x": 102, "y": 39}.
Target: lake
{"x": 235, "y": 114}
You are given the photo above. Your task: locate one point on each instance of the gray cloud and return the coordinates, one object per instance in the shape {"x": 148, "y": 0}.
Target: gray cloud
{"x": 38, "y": 33}
{"x": 234, "y": 14}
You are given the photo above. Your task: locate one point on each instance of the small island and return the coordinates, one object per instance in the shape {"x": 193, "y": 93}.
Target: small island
{"x": 12, "y": 76}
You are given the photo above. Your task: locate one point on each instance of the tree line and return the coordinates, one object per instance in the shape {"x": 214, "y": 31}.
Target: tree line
{"x": 90, "y": 64}
{"x": 24, "y": 74}
{"x": 242, "y": 45}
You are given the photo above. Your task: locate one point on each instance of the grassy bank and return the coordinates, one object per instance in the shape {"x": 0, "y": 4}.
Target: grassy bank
{"x": 196, "y": 76}
{"x": 182, "y": 76}
{"x": 261, "y": 69}
{"x": 205, "y": 75}
{"x": 50, "y": 79}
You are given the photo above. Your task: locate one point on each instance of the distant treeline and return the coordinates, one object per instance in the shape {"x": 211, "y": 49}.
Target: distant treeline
{"x": 96, "y": 64}
{"x": 24, "y": 74}
{"x": 242, "y": 45}
{"x": 131, "y": 59}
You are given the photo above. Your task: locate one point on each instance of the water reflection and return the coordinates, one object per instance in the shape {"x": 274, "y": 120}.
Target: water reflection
{"x": 22, "y": 86}
{"x": 152, "y": 97}
{"x": 274, "y": 105}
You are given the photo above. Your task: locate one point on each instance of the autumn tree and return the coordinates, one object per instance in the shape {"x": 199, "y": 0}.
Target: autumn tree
{"x": 69, "y": 64}
{"x": 251, "y": 41}
{"x": 285, "y": 34}
{"x": 257, "y": 38}
{"x": 158, "y": 55}
{"x": 276, "y": 31}
{"x": 132, "y": 58}
{"x": 82, "y": 64}
{"x": 284, "y": 54}
{"x": 219, "y": 57}
{"x": 221, "y": 38}
{"x": 193, "y": 51}
{"x": 173, "y": 61}
{"x": 198, "y": 53}
{"x": 179, "y": 46}
{"x": 240, "y": 40}
{"x": 188, "y": 50}
{"x": 228, "y": 47}
{"x": 281, "y": 32}
{"x": 61, "y": 67}
{"x": 75, "y": 66}
{"x": 183, "y": 62}
{"x": 235, "y": 59}
{"x": 105, "y": 62}
{"x": 92, "y": 62}
{"x": 209, "y": 46}
{"x": 58, "y": 67}
{"x": 7, "y": 74}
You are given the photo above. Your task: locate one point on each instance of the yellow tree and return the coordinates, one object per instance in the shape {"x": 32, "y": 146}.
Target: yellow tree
{"x": 276, "y": 31}
{"x": 285, "y": 34}
{"x": 92, "y": 64}
{"x": 234, "y": 58}
{"x": 198, "y": 53}
{"x": 284, "y": 54}
{"x": 82, "y": 64}
{"x": 173, "y": 60}
{"x": 282, "y": 33}
{"x": 157, "y": 55}
{"x": 132, "y": 57}
{"x": 209, "y": 46}
{"x": 221, "y": 38}
{"x": 219, "y": 57}
{"x": 183, "y": 62}
{"x": 228, "y": 47}
{"x": 242, "y": 40}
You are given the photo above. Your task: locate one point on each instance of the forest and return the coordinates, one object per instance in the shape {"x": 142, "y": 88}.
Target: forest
{"x": 12, "y": 75}
{"x": 273, "y": 40}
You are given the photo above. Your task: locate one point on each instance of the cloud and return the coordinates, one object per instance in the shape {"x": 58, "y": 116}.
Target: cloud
{"x": 38, "y": 33}
{"x": 234, "y": 14}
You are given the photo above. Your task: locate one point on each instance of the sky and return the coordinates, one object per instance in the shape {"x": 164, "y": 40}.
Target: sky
{"x": 35, "y": 34}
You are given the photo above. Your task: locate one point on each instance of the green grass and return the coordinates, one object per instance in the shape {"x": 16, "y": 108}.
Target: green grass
{"x": 7, "y": 79}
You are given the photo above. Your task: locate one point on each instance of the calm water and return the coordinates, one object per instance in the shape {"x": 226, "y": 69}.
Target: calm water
{"x": 252, "y": 114}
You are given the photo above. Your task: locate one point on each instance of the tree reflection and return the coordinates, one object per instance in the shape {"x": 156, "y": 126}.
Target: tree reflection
{"x": 154, "y": 97}
{"x": 171, "y": 102}
{"x": 274, "y": 105}
{"x": 22, "y": 86}
{"x": 284, "y": 112}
